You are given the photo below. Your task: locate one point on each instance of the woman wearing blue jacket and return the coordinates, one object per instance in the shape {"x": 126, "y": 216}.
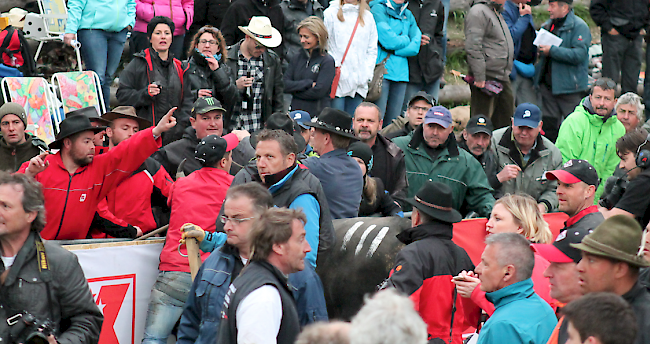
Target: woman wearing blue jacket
{"x": 400, "y": 37}
{"x": 101, "y": 27}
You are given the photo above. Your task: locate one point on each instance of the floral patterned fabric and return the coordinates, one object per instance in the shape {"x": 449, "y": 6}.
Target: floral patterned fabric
{"x": 31, "y": 93}
{"x": 78, "y": 90}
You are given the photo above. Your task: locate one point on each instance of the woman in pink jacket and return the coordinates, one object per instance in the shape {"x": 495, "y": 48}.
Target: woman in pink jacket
{"x": 181, "y": 13}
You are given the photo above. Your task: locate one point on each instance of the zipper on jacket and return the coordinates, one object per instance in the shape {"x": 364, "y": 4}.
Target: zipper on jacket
{"x": 65, "y": 206}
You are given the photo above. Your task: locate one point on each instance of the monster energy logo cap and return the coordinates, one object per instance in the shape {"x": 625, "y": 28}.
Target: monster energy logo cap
{"x": 206, "y": 104}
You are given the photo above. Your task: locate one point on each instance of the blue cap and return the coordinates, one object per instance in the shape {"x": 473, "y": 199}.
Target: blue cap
{"x": 527, "y": 115}
{"x": 439, "y": 115}
{"x": 300, "y": 117}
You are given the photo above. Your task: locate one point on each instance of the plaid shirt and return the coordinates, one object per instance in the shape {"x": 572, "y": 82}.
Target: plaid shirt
{"x": 250, "y": 109}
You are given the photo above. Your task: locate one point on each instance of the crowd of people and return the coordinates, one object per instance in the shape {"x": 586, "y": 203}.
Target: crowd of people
{"x": 277, "y": 124}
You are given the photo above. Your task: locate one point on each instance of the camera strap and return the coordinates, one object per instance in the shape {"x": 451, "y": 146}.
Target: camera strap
{"x": 44, "y": 269}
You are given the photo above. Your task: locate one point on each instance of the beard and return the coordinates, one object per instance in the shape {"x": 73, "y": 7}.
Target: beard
{"x": 81, "y": 159}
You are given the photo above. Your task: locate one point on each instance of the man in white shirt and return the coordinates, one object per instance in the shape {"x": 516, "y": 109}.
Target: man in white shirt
{"x": 259, "y": 307}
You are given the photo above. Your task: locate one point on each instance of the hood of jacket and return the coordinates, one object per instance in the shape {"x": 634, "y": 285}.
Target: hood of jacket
{"x": 488, "y": 3}
{"x": 437, "y": 229}
{"x": 393, "y": 9}
{"x": 595, "y": 118}
{"x": 190, "y": 134}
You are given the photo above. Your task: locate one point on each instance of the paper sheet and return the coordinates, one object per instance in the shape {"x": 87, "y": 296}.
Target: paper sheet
{"x": 544, "y": 37}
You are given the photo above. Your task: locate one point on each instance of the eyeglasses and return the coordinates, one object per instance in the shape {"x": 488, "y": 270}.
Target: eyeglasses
{"x": 224, "y": 219}
{"x": 205, "y": 41}
{"x": 610, "y": 83}
{"x": 420, "y": 108}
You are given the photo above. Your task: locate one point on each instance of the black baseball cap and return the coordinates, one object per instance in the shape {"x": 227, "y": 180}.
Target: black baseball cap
{"x": 212, "y": 148}
{"x": 422, "y": 96}
{"x": 561, "y": 251}
{"x": 573, "y": 171}
{"x": 479, "y": 124}
{"x": 206, "y": 104}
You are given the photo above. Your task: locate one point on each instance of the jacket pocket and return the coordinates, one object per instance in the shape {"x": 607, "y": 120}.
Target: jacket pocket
{"x": 23, "y": 298}
{"x": 211, "y": 291}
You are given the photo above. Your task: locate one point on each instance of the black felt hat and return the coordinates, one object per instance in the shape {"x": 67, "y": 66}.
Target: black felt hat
{"x": 90, "y": 112}
{"x": 436, "y": 200}
{"x": 71, "y": 126}
{"x": 334, "y": 121}
{"x": 281, "y": 121}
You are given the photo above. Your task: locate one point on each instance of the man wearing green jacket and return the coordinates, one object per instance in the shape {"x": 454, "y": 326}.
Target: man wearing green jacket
{"x": 591, "y": 131}
{"x": 431, "y": 153}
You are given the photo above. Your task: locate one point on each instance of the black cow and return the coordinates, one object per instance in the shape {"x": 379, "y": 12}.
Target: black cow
{"x": 360, "y": 260}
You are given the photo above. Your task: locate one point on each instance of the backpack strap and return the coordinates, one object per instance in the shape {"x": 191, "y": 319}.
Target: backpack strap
{"x": 4, "y": 48}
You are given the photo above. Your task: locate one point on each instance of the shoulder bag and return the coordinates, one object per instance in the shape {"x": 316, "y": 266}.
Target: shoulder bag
{"x": 337, "y": 71}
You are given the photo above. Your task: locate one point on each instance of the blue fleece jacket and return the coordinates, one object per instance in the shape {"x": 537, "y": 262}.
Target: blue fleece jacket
{"x": 521, "y": 316}
{"x": 108, "y": 15}
{"x": 398, "y": 34}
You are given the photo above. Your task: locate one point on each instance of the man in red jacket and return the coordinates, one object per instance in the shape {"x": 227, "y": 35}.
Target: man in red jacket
{"x": 75, "y": 181}
{"x": 196, "y": 198}
{"x": 131, "y": 203}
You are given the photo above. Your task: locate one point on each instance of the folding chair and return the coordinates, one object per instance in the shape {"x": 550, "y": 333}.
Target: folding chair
{"x": 49, "y": 26}
{"x": 79, "y": 90}
{"x": 34, "y": 94}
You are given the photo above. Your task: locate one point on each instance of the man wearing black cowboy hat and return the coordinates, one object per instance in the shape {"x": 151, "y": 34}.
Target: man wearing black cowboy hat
{"x": 424, "y": 268}
{"x": 206, "y": 119}
{"x": 339, "y": 174}
{"x": 131, "y": 204}
{"x": 75, "y": 181}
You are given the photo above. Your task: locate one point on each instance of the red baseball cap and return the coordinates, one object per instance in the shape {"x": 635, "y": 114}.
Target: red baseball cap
{"x": 573, "y": 171}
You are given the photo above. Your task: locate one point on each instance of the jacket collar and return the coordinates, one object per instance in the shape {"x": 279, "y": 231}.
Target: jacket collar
{"x": 190, "y": 134}
{"x": 275, "y": 187}
{"x": 436, "y": 229}
{"x": 417, "y": 139}
{"x": 514, "y": 292}
{"x": 569, "y": 22}
{"x": 391, "y": 147}
{"x": 513, "y": 151}
{"x": 58, "y": 161}
{"x": 27, "y": 252}
{"x": 637, "y": 290}
{"x": 577, "y": 217}
{"x": 395, "y": 10}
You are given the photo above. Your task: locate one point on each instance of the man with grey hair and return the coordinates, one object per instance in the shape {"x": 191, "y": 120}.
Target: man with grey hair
{"x": 35, "y": 272}
{"x": 505, "y": 271}
{"x": 388, "y": 318}
{"x": 629, "y": 110}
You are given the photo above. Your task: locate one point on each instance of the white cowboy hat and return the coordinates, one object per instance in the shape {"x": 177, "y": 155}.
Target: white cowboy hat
{"x": 260, "y": 29}
{"x": 16, "y": 17}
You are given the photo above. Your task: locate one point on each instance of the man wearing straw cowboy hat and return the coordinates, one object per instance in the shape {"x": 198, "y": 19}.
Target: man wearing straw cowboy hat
{"x": 258, "y": 75}
{"x": 75, "y": 180}
{"x": 611, "y": 258}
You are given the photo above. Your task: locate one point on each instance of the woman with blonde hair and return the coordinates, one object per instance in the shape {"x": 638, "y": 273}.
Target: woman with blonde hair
{"x": 351, "y": 27}
{"x": 311, "y": 71}
{"x": 513, "y": 214}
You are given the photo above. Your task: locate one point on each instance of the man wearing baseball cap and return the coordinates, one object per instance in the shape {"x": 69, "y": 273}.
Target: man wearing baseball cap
{"x": 207, "y": 118}
{"x": 523, "y": 154}
{"x": 562, "y": 271}
{"x": 194, "y": 199}
{"x": 416, "y": 108}
{"x": 432, "y": 153}
{"x": 16, "y": 145}
{"x": 256, "y": 70}
{"x": 611, "y": 258}
{"x": 475, "y": 139}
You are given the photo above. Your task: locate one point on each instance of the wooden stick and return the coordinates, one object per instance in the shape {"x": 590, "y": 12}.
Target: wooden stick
{"x": 153, "y": 232}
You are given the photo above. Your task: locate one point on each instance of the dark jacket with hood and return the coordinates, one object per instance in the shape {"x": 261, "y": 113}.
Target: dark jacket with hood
{"x": 70, "y": 305}
{"x": 11, "y": 157}
{"x": 146, "y": 67}
{"x": 427, "y": 66}
{"x": 394, "y": 172}
{"x": 294, "y": 12}
{"x": 627, "y": 17}
{"x": 219, "y": 81}
{"x": 240, "y": 13}
{"x": 423, "y": 270}
{"x": 304, "y": 70}
{"x": 273, "y": 94}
